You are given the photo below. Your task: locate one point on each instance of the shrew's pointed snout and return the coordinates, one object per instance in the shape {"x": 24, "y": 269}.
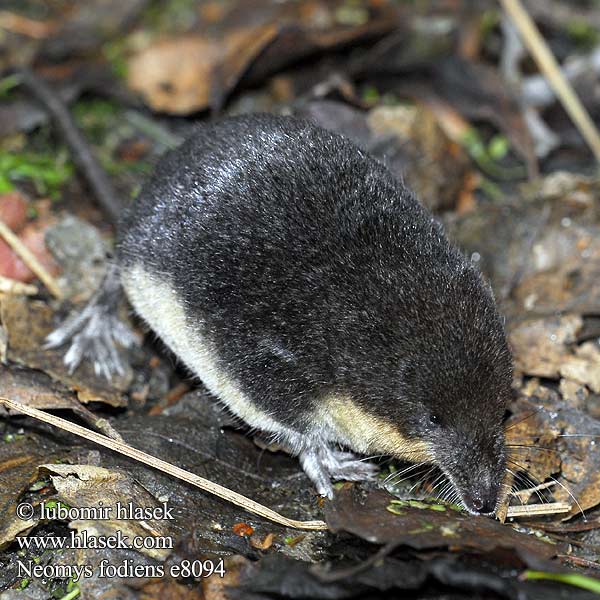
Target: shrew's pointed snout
{"x": 481, "y": 501}
{"x": 481, "y": 492}
{"x": 476, "y": 467}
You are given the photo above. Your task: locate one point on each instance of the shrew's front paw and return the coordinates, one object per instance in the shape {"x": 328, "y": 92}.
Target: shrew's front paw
{"x": 348, "y": 467}
{"x": 322, "y": 464}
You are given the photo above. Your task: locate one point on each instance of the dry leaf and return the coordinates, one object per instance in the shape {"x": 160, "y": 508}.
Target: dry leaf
{"x": 175, "y": 75}
{"x": 27, "y": 323}
{"x": 91, "y": 486}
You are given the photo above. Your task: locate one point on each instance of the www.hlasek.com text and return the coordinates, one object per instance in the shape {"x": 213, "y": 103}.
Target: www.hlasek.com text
{"x": 118, "y": 540}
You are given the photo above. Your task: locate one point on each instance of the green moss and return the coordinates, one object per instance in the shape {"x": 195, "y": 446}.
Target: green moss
{"x": 46, "y": 172}
{"x": 395, "y": 510}
{"x": 173, "y": 15}
{"x": 38, "y": 485}
{"x": 417, "y": 504}
{"x": 498, "y": 147}
{"x": 370, "y": 95}
{"x": 115, "y": 53}
{"x": 425, "y": 527}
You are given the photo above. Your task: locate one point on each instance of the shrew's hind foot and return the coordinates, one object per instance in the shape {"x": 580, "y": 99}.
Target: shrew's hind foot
{"x": 322, "y": 464}
{"x": 94, "y": 332}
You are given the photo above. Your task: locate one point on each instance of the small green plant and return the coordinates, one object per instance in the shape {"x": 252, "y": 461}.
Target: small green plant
{"x": 487, "y": 156}
{"x": 489, "y": 21}
{"x": 12, "y": 437}
{"x": 580, "y": 581}
{"x": 72, "y": 590}
{"x": 584, "y": 35}
{"x": 55, "y": 504}
{"x": 7, "y": 84}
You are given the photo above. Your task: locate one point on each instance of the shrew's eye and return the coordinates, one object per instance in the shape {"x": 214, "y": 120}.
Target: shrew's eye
{"x": 434, "y": 419}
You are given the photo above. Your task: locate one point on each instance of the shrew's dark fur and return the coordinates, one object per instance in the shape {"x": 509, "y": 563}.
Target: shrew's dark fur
{"x": 315, "y": 273}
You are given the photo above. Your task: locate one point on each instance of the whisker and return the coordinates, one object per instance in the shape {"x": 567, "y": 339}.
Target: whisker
{"x": 393, "y": 477}
{"x": 532, "y": 485}
{"x": 421, "y": 480}
{"x": 405, "y": 470}
{"x": 524, "y": 477}
{"x": 538, "y": 448}
{"x": 371, "y": 457}
{"x": 564, "y": 487}
{"x": 531, "y": 414}
{"x": 447, "y": 492}
{"x": 440, "y": 480}
{"x": 513, "y": 486}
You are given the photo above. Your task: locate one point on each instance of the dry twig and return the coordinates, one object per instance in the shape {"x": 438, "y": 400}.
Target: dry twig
{"x": 81, "y": 153}
{"x": 529, "y": 510}
{"x": 525, "y": 494}
{"x": 547, "y": 64}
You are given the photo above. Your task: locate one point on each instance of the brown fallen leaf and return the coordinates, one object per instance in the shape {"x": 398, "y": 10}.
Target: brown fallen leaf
{"x": 188, "y": 74}
{"x": 33, "y": 388}
{"x": 175, "y": 75}
{"x": 216, "y": 588}
{"x": 26, "y": 324}
{"x": 263, "y": 544}
{"x": 30, "y": 27}
{"x": 549, "y": 440}
{"x": 92, "y": 486}
{"x": 32, "y": 237}
{"x": 437, "y": 164}
{"x": 241, "y": 48}
{"x": 20, "y": 456}
{"x": 193, "y": 72}
{"x": 531, "y": 443}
